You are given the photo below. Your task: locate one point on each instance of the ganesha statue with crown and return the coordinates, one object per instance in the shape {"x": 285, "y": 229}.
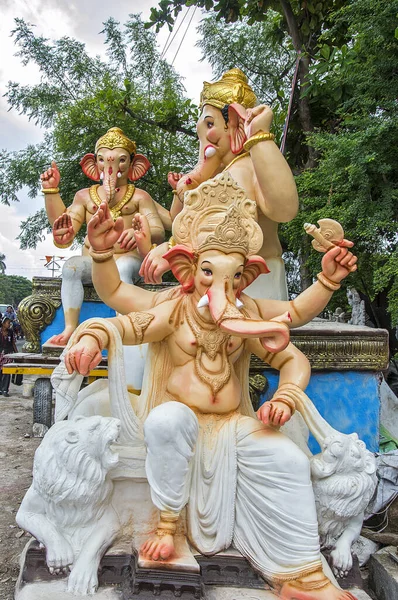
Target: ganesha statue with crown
{"x": 229, "y": 473}
{"x": 115, "y": 163}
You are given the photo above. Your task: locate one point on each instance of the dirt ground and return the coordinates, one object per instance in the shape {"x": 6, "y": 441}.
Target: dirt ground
{"x": 17, "y": 448}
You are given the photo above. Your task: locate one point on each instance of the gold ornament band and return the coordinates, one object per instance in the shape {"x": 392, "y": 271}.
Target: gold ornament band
{"x": 101, "y": 256}
{"x": 172, "y": 243}
{"x": 285, "y": 394}
{"x": 92, "y": 334}
{"x": 63, "y": 246}
{"x": 330, "y": 285}
{"x": 167, "y": 524}
{"x": 50, "y": 190}
{"x": 287, "y": 401}
{"x": 261, "y": 136}
{"x": 154, "y": 246}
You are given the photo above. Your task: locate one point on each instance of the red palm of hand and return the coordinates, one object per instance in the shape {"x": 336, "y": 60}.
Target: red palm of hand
{"x": 63, "y": 231}
{"x": 102, "y": 231}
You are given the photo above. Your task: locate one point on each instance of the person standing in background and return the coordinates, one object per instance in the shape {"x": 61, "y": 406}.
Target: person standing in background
{"x": 7, "y": 346}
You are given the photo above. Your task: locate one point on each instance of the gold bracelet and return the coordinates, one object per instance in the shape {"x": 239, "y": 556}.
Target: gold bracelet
{"x": 261, "y": 136}
{"x": 101, "y": 256}
{"x": 288, "y": 401}
{"x": 332, "y": 286}
{"x": 172, "y": 243}
{"x": 62, "y": 245}
{"x": 50, "y": 190}
{"x": 92, "y": 334}
{"x": 154, "y": 246}
{"x": 174, "y": 192}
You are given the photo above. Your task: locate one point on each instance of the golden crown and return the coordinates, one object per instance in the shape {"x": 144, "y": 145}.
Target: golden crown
{"x": 218, "y": 215}
{"x": 115, "y": 138}
{"x": 232, "y": 87}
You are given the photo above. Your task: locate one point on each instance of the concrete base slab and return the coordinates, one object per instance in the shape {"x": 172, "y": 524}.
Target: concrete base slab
{"x": 56, "y": 590}
{"x": 228, "y": 593}
{"x": 383, "y": 573}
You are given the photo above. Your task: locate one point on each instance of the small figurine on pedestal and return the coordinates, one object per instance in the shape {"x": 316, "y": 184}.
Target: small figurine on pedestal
{"x": 114, "y": 163}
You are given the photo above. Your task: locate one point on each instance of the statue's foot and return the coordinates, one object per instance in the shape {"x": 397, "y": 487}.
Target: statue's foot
{"x": 313, "y": 589}
{"x": 158, "y": 547}
{"x": 62, "y": 338}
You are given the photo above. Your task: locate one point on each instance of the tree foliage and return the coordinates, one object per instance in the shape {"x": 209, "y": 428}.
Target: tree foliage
{"x": 14, "y": 288}
{"x": 343, "y": 130}
{"x": 79, "y": 97}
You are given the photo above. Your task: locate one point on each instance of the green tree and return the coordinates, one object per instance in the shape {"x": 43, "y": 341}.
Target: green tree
{"x": 79, "y": 97}
{"x": 342, "y": 136}
{"x": 14, "y": 288}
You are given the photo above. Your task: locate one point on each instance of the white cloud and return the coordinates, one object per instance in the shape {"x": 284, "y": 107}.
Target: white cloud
{"x": 82, "y": 20}
{"x": 27, "y": 263}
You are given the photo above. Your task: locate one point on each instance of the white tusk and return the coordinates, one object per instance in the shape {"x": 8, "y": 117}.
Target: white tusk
{"x": 102, "y": 175}
{"x": 239, "y": 303}
{"x": 210, "y": 151}
{"x": 204, "y": 301}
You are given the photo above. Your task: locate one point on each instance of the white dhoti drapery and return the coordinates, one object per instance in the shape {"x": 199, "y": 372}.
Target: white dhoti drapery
{"x": 244, "y": 484}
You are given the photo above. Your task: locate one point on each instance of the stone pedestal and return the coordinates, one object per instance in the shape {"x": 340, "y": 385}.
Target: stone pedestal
{"x": 383, "y": 573}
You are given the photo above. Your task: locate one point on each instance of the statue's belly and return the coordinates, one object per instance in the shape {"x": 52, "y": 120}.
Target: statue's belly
{"x": 186, "y": 387}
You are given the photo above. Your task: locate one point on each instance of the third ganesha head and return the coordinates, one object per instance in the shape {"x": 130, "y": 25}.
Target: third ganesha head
{"x": 115, "y": 156}
{"x": 220, "y": 126}
{"x": 217, "y": 237}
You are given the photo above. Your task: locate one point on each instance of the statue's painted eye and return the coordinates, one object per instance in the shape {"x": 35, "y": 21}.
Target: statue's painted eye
{"x": 207, "y": 272}
{"x": 238, "y": 275}
{"x": 209, "y": 124}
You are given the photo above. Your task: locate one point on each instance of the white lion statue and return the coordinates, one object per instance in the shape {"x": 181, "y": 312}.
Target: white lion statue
{"x": 344, "y": 479}
{"x": 68, "y": 506}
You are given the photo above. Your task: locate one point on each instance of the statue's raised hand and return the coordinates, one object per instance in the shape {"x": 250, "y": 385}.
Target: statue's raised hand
{"x": 173, "y": 179}
{"x": 83, "y": 356}
{"x": 63, "y": 232}
{"x": 339, "y": 262}
{"x": 258, "y": 119}
{"x": 154, "y": 265}
{"x": 51, "y": 177}
{"x": 102, "y": 231}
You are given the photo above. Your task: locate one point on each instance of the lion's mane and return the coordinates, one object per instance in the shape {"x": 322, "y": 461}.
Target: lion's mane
{"x": 70, "y": 470}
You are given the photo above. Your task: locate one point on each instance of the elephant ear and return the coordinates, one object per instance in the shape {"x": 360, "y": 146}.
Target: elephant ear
{"x": 89, "y": 167}
{"x": 254, "y": 267}
{"x": 236, "y": 121}
{"x": 139, "y": 166}
{"x": 181, "y": 260}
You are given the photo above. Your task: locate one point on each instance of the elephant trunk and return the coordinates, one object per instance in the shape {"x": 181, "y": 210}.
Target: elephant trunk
{"x": 274, "y": 335}
{"x": 109, "y": 184}
{"x": 207, "y": 166}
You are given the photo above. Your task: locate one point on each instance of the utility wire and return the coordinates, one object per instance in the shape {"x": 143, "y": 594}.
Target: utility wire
{"x": 177, "y": 30}
{"x": 183, "y": 37}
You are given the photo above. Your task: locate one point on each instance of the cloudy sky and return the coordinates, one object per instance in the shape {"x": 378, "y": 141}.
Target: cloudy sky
{"x": 81, "y": 19}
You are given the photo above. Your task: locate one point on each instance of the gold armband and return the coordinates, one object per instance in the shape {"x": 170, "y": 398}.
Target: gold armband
{"x": 50, "y": 190}
{"x": 154, "y": 246}
{"x": 62, "y": 245}
{"x": 261, "y": 136}
{"x": 330, "y": 285}
{"x": 101, "y": 256}
{"x": 172, "y": 243}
